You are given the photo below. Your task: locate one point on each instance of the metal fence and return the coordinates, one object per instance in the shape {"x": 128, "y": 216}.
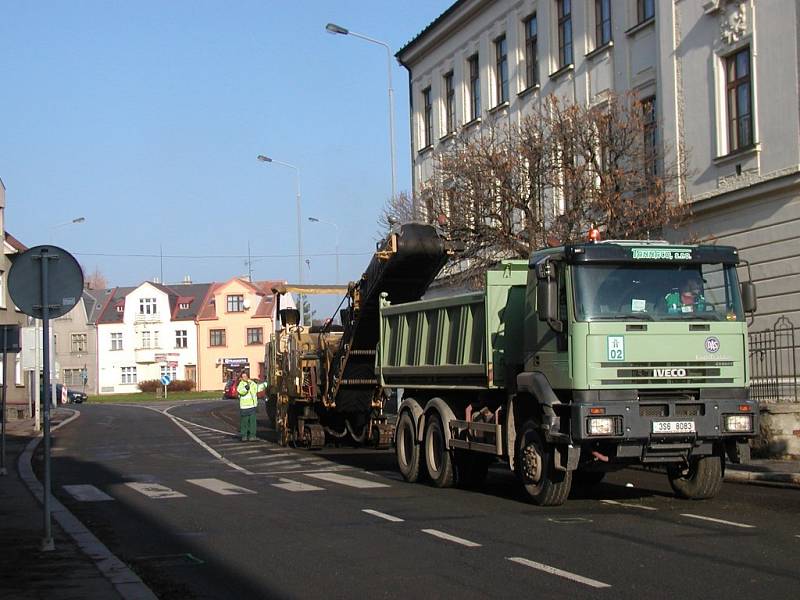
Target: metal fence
{"x": 773, "y": 363}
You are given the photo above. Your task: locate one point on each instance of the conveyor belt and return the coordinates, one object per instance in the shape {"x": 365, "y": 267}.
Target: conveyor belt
{"x": 403, "y": 267}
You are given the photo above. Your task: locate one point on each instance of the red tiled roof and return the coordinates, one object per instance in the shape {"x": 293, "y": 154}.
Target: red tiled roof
{"x": 15, "y": 243}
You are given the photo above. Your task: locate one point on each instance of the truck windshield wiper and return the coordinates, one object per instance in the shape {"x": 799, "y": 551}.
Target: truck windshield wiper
{"x": 622, "y": 316}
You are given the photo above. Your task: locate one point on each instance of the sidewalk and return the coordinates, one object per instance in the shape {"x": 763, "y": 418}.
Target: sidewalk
{"x": 762, "y": 471}
{"x": 67, "y": 571}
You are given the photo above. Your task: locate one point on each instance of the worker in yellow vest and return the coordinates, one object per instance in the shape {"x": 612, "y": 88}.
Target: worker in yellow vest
{"x": 248, "y": 403}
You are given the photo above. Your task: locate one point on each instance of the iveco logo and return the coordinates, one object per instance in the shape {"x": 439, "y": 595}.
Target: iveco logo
{"x": 669, "y": 372}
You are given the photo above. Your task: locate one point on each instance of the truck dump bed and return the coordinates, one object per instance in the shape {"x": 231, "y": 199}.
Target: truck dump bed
{"x": 465, "y": 341}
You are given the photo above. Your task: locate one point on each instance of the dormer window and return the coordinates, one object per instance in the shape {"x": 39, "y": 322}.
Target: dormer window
{"x": 183, "y": 306}
{"x": 120, "y": 308}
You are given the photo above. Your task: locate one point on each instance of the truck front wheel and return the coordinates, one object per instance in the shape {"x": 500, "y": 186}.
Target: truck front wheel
{"x": 542, "y": 482}
{"x": 438, "y": 459}
{"x": 407, "y": 449}
{"x": 699, "y": 480}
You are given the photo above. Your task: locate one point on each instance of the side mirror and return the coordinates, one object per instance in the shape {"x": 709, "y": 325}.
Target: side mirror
{"x": 749, "y": 298}
{"x": 547, "y": 303}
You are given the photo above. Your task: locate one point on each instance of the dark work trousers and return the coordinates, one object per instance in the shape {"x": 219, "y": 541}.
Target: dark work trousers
{"x": 247, "y": 423}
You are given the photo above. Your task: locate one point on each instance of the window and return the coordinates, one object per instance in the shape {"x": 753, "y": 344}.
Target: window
{"x": 254, "y": 335}
{"x": 564, "y": 13}
{"x": 116, "y": 341}
{"x": 602, "y": 19}
{"x": 2, "y": 289}
{"x": 171, "y": 370}
{"x": 427, "y": 118}
{"x": 474, "y": 88}
{"x": 650, "y": 126}
{"x": 501, "y": 75}
{"x": 531, "y": 51}
{"x": 739, "y": 105}
{"x": 236, "y": 303}
{"x": 147, "y": 306}
{"x": 128, "y": 375}
{"x": 72, "y": 377}
{"x": 79, "y": 343}
{"x": 449, "y": 103}
{"x": 155, "y": 340}
{"x": 645, "y": 10}
{"x": 183, "y": 306}
{"x": 145, "y": 339}
{"x": 181, "y": 338}
{"x": 217, "y": 337}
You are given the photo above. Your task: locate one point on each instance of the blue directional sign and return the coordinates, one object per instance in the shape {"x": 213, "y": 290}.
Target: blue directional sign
{"x": 166, "y": 380}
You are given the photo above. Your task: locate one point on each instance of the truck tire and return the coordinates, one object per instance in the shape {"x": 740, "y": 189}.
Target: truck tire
{"x": 700, "y": 480}
{"x": 407, "y": 449}
{"x": 471, "y": 468}
{"x": 438, "y": 459}
{"x": 542, "y": 483}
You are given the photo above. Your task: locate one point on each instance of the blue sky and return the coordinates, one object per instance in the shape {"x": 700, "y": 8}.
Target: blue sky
{"x": 146, "y": 118}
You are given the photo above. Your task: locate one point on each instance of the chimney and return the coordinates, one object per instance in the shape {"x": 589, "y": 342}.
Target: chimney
{"x": 187, "y": 280}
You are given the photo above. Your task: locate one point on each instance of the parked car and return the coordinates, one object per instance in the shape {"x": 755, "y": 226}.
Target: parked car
{"x": 73, "y": 396}
{"x": 229, "y": 391}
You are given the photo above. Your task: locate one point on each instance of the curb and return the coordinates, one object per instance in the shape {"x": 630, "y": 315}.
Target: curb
{"x": 787, "y": 480}
{"x": 126, "y": 582}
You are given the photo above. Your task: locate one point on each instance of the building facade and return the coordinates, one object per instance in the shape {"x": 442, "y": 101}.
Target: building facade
{"x": 721, "y": 78}
{"x": 146, "y": 332}
{"x": 17, "y": 392}
{"x": 233, "y": 326}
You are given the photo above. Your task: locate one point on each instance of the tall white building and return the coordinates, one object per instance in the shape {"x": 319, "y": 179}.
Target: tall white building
{"x": 146, "y": 332}
{"x": 721, "y": 75}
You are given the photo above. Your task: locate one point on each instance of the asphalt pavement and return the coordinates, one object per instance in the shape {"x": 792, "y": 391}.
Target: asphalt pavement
{"x": 336, "y": 523}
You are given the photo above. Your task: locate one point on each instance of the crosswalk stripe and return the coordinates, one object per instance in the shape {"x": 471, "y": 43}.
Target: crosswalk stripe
{"x": 220, "y": 487}
{"x": 295, "y": 486}
{"x": 86, "y": 493}
{"x": 273, "y": 456}
{"x": 238, "y": 452}
{"x": 154, "y": 490}
{"x": 346, "y": 480}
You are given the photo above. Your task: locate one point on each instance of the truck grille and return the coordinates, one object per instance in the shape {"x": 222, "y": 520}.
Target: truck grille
{"x": 653, "y": 410}
{"x": 655, "y": 373}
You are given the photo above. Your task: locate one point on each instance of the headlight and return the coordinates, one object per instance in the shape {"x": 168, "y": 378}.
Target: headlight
{"x": 738, "y": 423}
{"x": 600, "y": 426}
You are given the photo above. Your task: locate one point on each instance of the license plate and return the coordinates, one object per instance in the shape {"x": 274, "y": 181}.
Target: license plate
{"x": 673, "y": 427}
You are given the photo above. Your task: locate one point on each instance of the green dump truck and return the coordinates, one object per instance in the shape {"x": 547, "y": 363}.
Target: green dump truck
{"x": 583, "y": 359}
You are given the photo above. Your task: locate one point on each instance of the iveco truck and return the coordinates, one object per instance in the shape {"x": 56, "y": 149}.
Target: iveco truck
{"x": 583, "y": 359}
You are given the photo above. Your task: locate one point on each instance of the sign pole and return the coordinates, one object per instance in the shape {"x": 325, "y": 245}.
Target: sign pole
{"x": 47, "y": 542}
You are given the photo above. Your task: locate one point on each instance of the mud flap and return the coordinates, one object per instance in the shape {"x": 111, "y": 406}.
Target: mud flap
{"x": 566, "y": 457}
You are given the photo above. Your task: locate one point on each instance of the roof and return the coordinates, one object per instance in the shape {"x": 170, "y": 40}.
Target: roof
{"x": 263, "y": 289}
{"x": 417, "y": 38}
{"x": 94, "y": 301}
{"x": 15, "y": 243}
{"x": 115, "y": 297}
{"x": 179, "y": 295}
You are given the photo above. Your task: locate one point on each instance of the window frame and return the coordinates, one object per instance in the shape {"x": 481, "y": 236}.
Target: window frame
{"x": 645, "y": 11}
{"x": 427, "y": 118}
{"x": 474, "y": 89}
{"x": 254, "y": 340}
{"x": 602, "y": 18}
{"x": 531, "y": 51}
{"x": 79, "y": 343}
{"x": 565, "y": 26}
{"x": 449, "y": 102}
{"x": 733, "y": 117}
{"x": 218, "y": 333}
{"x": 116, "y": 337}
{"x": 501, "y": 81}
{"x": 148, "y": 306}
{"x": 234, "y": 303}
{"x": 650, "y": 129}
{"x": 182, "y": 335}
{"x": 128, "y": 376}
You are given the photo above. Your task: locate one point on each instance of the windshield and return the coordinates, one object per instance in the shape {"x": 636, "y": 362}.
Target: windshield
{"x": 657, "y": 292}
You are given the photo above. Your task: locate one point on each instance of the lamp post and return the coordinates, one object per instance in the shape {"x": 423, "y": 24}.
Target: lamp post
{"x": 266, "y": 159}
{"x": 335, "y": 226}
{"x": 75, "y": 221}
{"x": 334, "y": 29}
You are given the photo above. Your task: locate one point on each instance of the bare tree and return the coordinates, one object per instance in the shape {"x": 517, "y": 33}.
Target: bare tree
{"x": 95, "y": 281}
{"x": 505, "y": 191}
{"x": 398, "y": 209}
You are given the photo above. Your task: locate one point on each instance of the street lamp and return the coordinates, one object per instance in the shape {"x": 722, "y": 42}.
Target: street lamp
{"x": 334, "y": 29}
{"x": 335, "y": 226}
{"x": 75, "y": 221}
{"x": 267, "y": 159}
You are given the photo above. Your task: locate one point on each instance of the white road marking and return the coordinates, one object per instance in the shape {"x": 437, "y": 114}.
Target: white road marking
{"x": 231, "y": 445}
{"x": 274, "y": 456}
{"x": 154, "y": 490}
{"x": 561, "y": 573}
{"x": 451, "y": 538}
{"x": 303, "y": 472}
{"x": 283, "y": 463}
{"x": 346, "y": 480}
{"x": 721, "y": 521}
{"x": 393, "y": 475}
{"x": 238, "y": 452}
{"x": 296, "y": 486}
{"x": 86, "y": 493}
{"x": 615, "y": 503}
{"x": 220, "y": 487}
{"x": 381, "y": 515}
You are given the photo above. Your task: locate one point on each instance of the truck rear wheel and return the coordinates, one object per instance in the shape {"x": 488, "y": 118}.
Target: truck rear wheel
{"x": 407, "y": 449}
{"x": 699, "y": 480}
{"x": 542, "y": 482}
{"x": 438, "y": 459}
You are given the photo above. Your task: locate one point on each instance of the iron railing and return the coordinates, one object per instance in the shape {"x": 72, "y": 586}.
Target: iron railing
{"x": 773, "y": 363}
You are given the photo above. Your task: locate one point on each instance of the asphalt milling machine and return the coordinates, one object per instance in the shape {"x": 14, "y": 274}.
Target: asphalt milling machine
{"x": 321, "y": 379}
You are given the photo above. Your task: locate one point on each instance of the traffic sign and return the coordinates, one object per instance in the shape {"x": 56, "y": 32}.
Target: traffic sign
{"x": 166, "y": 380}
{"x": 64, "y": 281}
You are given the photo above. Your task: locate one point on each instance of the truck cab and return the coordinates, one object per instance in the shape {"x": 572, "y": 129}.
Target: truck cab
{"x": 637, "y": 352}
